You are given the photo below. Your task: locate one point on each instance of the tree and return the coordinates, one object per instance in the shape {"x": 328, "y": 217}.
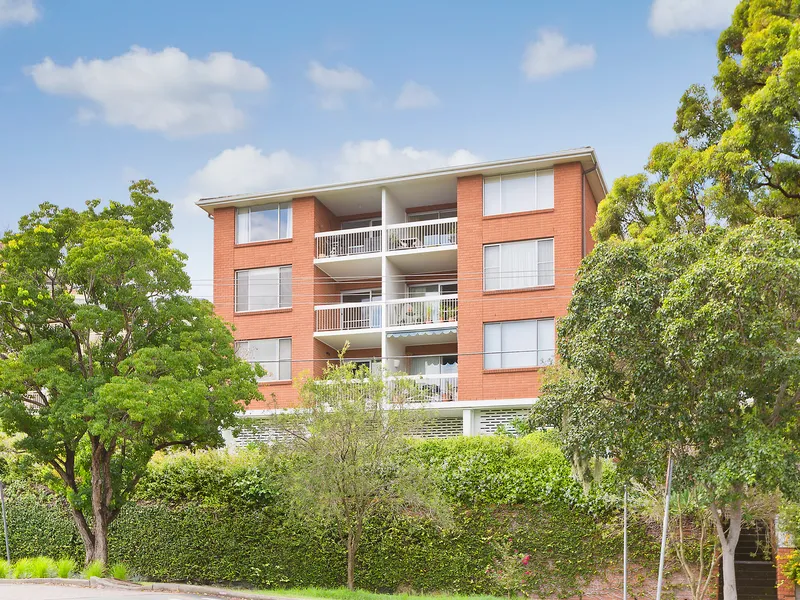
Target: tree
{"x": 351, "y": 449}
{"x": 736, "y": 155}
{"x": 688, "y": 347}
{"x": 107, "y": 360}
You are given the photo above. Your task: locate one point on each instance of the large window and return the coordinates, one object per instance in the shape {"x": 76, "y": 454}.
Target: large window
{"x": 515, "y": 265}
{"x": 518, "y": 344}
{"x": 262, "y": 223}
{"x": 434, "y": 365}
{"x": 519, "y": 192}
{"x": 274, "y": 355}
{"x": 263, "y": 289}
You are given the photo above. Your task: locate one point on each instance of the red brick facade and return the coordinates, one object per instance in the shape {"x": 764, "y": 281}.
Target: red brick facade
{"x": 565, "y": 223}
{"x": 786, "y": 587}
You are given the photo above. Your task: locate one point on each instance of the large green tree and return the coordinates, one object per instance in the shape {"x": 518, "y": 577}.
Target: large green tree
{"x": 106, "y": 359}
{"x": 688, "y": 347}
{"x": 736, "y": 155}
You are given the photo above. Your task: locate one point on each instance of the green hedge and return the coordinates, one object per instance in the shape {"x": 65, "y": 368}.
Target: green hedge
{"x": 211, "y": 518}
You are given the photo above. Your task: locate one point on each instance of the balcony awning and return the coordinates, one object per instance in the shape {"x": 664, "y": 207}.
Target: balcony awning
{"x": 404, "y": 334}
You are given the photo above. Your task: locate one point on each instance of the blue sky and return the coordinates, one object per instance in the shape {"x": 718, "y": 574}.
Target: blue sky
{"x": 209, "y": 98}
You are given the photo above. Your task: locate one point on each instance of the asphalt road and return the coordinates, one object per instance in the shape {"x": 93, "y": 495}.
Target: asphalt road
{"x": 57, "y": 592}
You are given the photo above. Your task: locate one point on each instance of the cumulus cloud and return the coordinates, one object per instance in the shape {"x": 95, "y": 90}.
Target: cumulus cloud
{"x": 415, "y": 95}
{"x": 672, "y": 16}
{"x": 551, "y": 55}
{"x": 334, "y": 84}
{"x": 377, "y": 158}
{"x": 248, "y": 169}
{"x": 166, "y": 91}
{"x": 18, "y": 12}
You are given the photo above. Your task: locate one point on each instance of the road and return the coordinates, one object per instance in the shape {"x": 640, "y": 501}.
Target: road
{"x": 57, "y": 592}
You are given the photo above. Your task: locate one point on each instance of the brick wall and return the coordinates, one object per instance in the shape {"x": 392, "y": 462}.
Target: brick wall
{"x": 786, "y": 587}
{"x": 476, "y": 307}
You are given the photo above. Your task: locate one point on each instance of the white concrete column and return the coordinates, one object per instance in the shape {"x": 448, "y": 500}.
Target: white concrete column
{"x": 467, "y": 417}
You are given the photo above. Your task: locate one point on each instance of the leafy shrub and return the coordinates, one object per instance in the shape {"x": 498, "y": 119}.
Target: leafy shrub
{"x": 96, "y": 568}
{"x": 792, "y": 566}
{"x": 5, "y": 569}
{"x": 66, "y": 567}
{"x": 511, "y": 570}
{"x": 37, "y": 567}
{"x": 118, "y": 571}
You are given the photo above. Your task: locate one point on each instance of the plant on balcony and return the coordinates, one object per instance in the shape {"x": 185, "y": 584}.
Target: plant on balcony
{"x": 449, "y": 312}
{"x": 429, "y": 314}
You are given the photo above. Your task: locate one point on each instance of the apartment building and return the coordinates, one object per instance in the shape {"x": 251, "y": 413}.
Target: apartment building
{"x": 453, "y": 276}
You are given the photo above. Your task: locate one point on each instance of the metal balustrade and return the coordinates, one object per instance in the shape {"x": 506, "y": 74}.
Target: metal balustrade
{"x": 348, "y": 242}
{"x": 425, "y": 388}
{"x": 423, "y": 310}
{"x": 422, "y": 234}
{"x": 352, "y": 315}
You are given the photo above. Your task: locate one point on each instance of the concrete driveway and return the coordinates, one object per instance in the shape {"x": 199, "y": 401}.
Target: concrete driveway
{"x": 56, "y": 592}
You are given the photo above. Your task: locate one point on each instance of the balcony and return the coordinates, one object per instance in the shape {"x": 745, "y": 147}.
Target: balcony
{"x": 348, "y": 242}
{"x": 417, "y": 313}
{"x": 422, "y": 234}
{"x": 432, "y": 388}
{"x": 358, "y": 323}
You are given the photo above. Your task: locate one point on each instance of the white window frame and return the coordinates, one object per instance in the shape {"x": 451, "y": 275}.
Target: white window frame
{"x": 281, "y": 206}
{"x": 280, "y": 360}
{"x": 281, "y": 296}
{"x": 435, "y": 215}
{"x": 536, "y": 201}
{"x": 540, "y": 361}
{"x": 536, "y": 275}
{"x": 371, "y": 222}
{"x": 437, "y": 283}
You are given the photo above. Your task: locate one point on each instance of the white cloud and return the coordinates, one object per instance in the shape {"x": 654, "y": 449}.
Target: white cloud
{"x": 551, "y": 54}
{"x": 21, "y": 12}
{"x": 416, "y": 95}
{"x": 334, "y": 84}
{"x": 672, "y": 16}
{"x": 247, "y": 169}
{"x": 162, "y": 91}
{"x": 377, "y": 158}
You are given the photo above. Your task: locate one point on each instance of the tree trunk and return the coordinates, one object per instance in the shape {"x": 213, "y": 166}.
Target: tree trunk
{"x": 728, "y": 541}
{"x": 86, "y": 533}
{"x": 102, "y": 494}
{"x": 352, "y": 546}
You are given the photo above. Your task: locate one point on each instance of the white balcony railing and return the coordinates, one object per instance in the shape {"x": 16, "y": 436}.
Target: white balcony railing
{"x": 353, "y": 315}
{"x": 424, "y": 310}
{"x": 432, "y": 388}
{"x": 422, "y": 234}
{"x": 348, "y": 242}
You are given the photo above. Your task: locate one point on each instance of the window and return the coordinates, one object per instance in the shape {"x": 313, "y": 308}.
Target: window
{"x": 373, "y": 364}
{"x": 263, "y": 289}
{"x": 432, "y": 289}
{"x": 361, "y": 223}
{"x": 361, "y": 317}
{"x": 431, "y": 215}
{"x": 517, "y": 344}
{"x": 518, "y": 192}
{"x": 515, "y": 265}
{"x": 274, "y": 355}
{"x": 262, "y": 223}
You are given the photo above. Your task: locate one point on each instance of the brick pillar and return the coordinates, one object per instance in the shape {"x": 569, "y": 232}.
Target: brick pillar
{"x": 785, "y": 585}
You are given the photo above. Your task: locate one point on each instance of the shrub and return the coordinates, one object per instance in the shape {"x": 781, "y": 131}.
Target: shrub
{"x": 118, "y": 571}
{"x": 96, "y": 568}
{"x": 38, "y": 567}
{"x": 66, "y": 567}
{"x": 5, "y": 569}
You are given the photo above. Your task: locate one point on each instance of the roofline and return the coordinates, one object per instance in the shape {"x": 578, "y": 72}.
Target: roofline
{"x": 209, "y": 204}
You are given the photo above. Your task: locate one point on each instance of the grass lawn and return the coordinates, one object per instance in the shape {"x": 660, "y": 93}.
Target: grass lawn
{"x": 345, "y": 594}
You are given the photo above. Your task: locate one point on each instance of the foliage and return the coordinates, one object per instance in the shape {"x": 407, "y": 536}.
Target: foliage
{"x": 736, "y": 155}
{"x": 511, "y": 570}
{"x": 96, "y": 568}
{"x": 350, "y": 445}
{"x": 689, "y": 347}
{"x": 346, "y": 594}
{"x": 38, "y": 567}
{"x": 66, "y": 567}
{"x": 5, "y": 569}
{"x": 792, "y": 566}
{"x": 118, "y": 571}
{"x": 106, "y": 359}
{"x": 273, "y": 544}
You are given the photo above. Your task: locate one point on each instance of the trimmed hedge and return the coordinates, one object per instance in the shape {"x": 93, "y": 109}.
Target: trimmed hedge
{"x": 212, "y": 518}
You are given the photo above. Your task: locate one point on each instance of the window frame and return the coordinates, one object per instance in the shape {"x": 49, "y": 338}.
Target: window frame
{"x": 499, "y": 275}
{"x": 281, "y": 207}
{"x": 281, "y": 296}
{"x": 535, "y": 336}
{"x": 536, "y": 203}
{"x": 279, "y": 360}
{"x": 436, "y": 215}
